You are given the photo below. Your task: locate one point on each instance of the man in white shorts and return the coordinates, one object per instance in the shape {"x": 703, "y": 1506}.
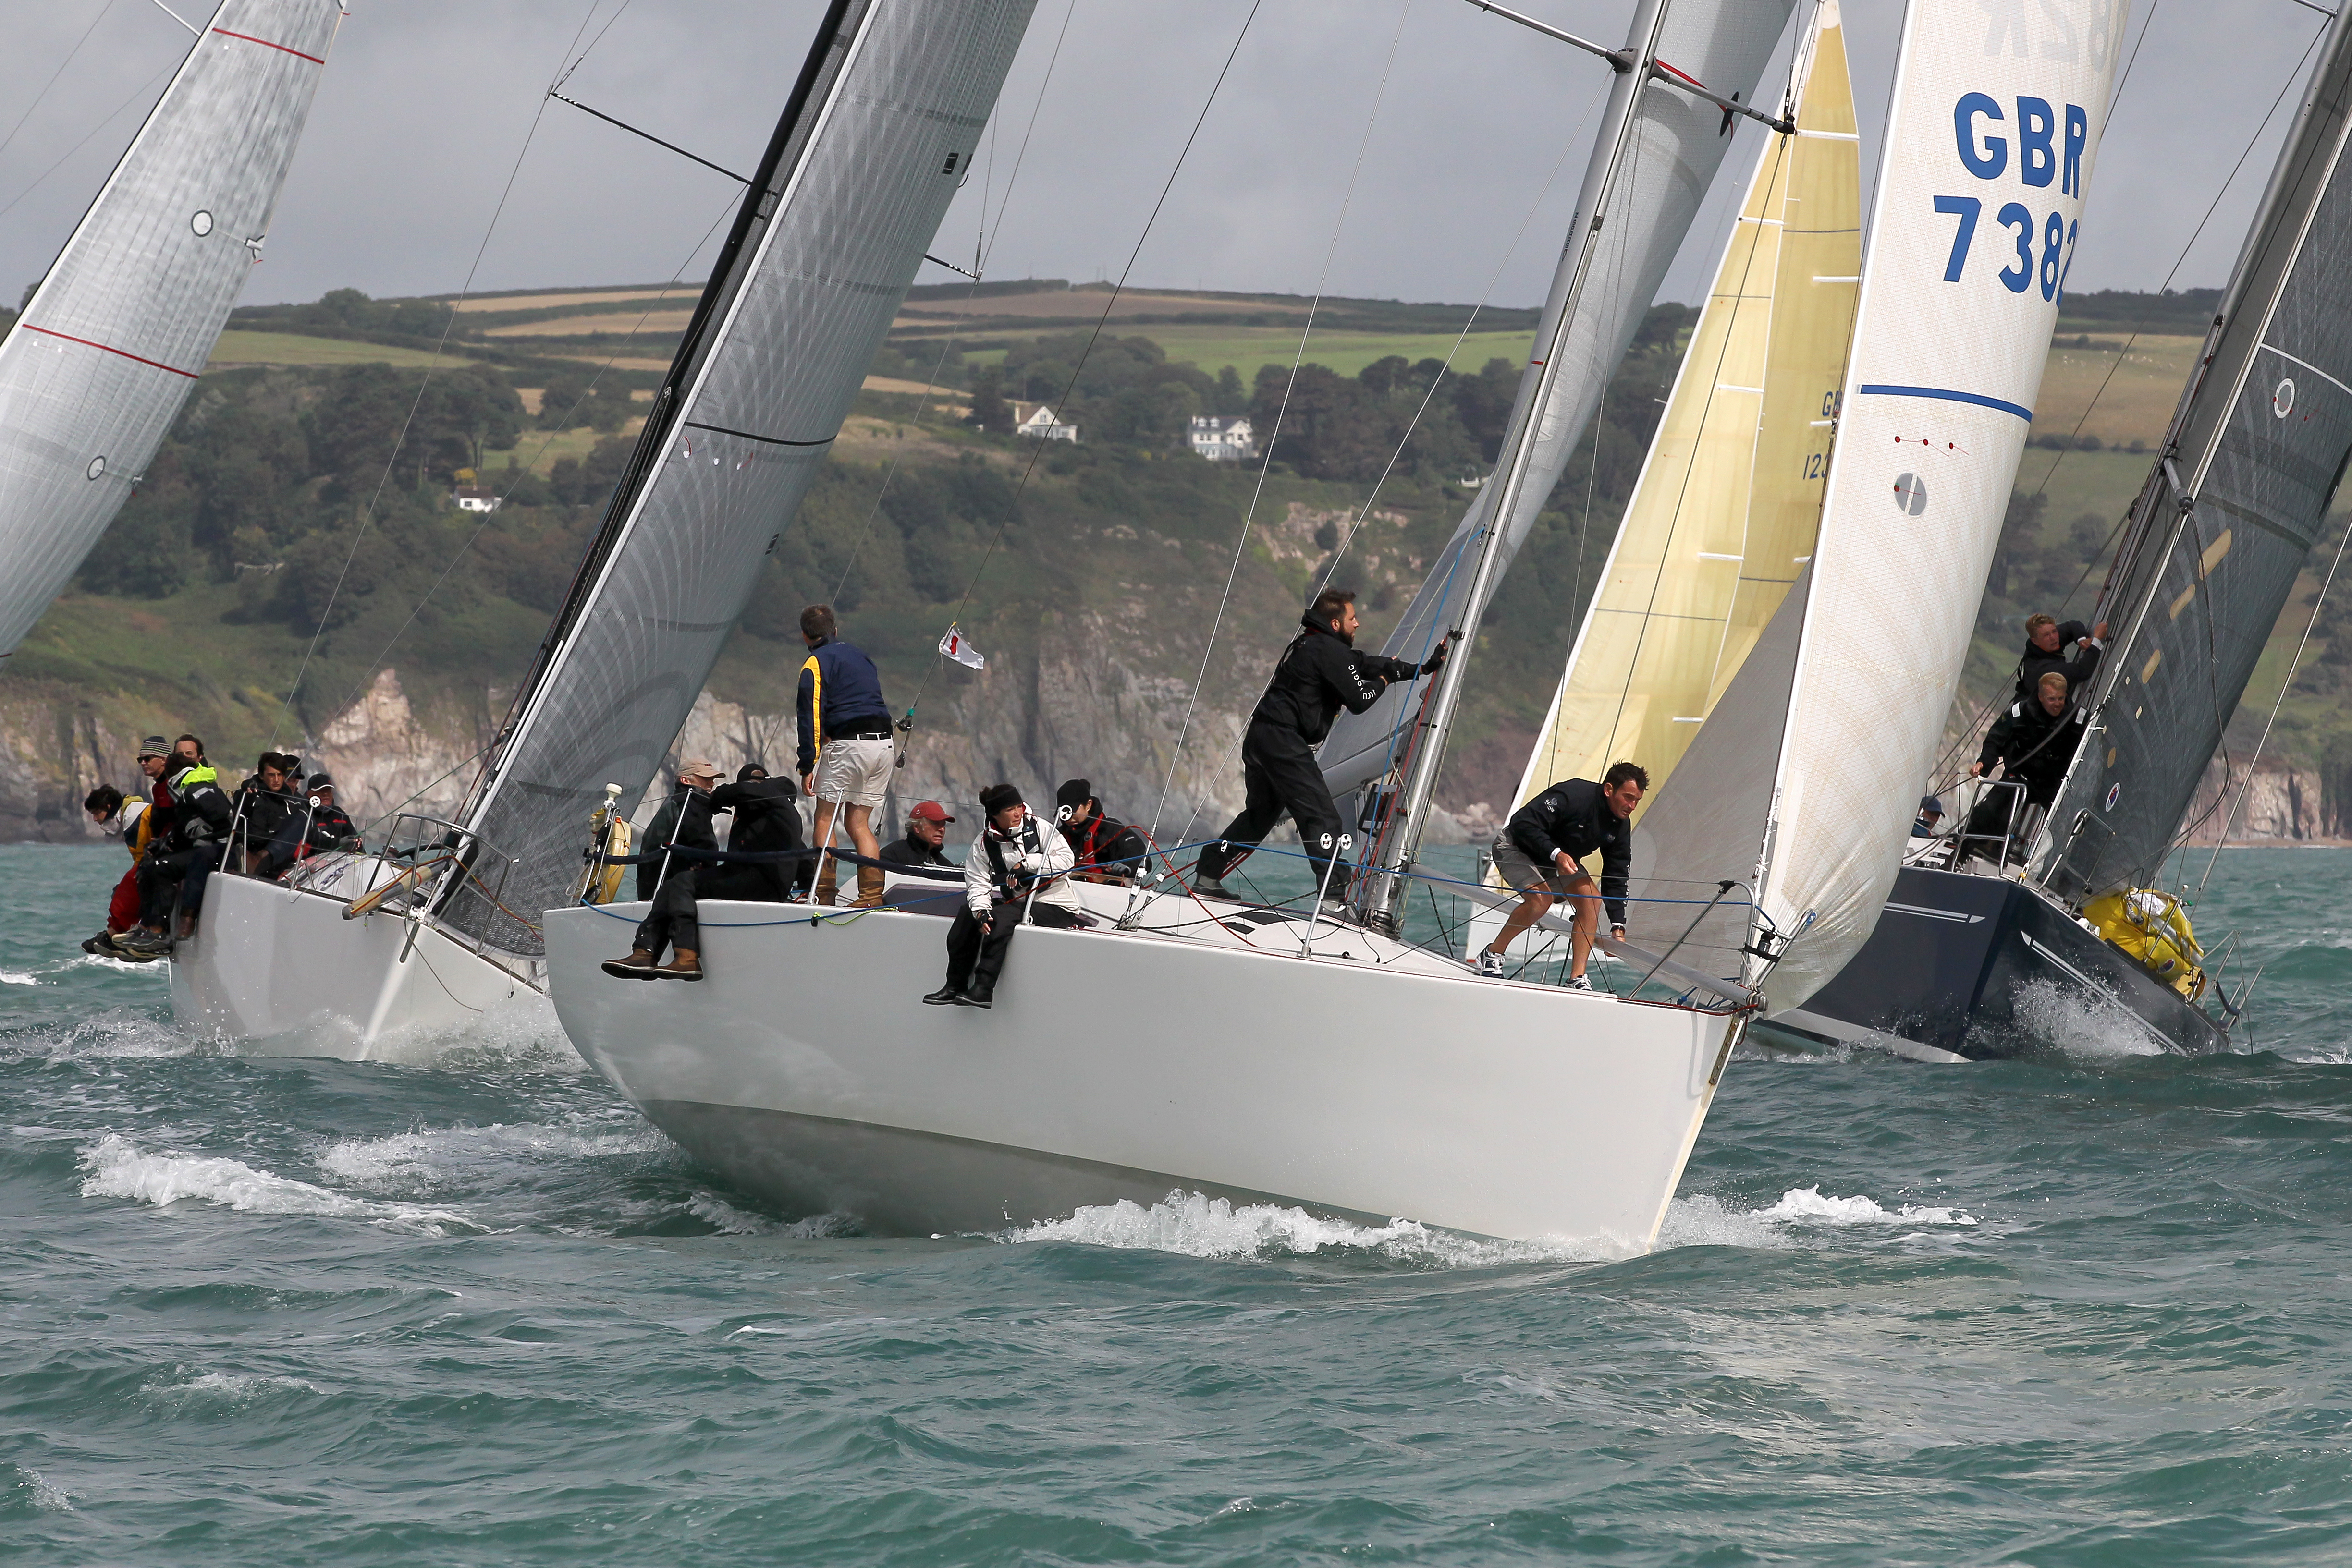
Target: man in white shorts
{"x": 845, "y": 753}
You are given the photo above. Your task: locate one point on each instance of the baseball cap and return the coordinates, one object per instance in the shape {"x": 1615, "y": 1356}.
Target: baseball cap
{"x": 1931, "y": 804}
{"x": 929, "y": 812}
{"x": 698, "y": 767}
{"x": 1074, "y": 793}
{"x": 322, "y": 781}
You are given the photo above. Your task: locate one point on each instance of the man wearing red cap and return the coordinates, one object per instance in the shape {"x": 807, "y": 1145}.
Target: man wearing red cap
{"x": 926, "y": 835}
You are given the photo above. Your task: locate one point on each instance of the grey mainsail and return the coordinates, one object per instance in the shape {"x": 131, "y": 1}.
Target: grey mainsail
{"x": 1676, "y": 142}
{"x": 873, "y": 145}
{"x": 2232, "y": 507}
{"x": 110, "y": 344}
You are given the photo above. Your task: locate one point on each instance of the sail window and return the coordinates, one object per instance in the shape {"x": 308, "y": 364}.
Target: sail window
{"x": 1910, "y": 495}
{"x": 97, "y": 466}
{"x": 2282, "y": 400}
{"x": 201, "y": 223}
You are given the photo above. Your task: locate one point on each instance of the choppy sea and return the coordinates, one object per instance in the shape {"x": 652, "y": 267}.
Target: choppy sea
{"x": 2087, "y": 1308}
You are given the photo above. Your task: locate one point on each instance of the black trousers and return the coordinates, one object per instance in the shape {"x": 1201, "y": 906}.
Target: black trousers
{"x": 1280, "y": 775}
{"x": 164, "y": 878}
{"x": 976, "y": 960}
{"x": 672, "y": 919}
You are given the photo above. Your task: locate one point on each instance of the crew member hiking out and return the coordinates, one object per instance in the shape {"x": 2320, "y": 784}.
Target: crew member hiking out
{"x": 2067, "y": 647}
{"x": 177, "y": 866}
{"x": 142, "y": 838}
{"x": 1107, "y": 850}
{"x": 2034, "y": 741}
{"x": 270, "y": 819}
{"x": 1538, "y": 853}
{"x": 767, "y": 822}
{"x": 1014, "y": 875}
{"x": 108, "y": 809}
{"x": 673, "y": 921}
{"x": 845, "y": 752}
{"x": 1321, "y": 672}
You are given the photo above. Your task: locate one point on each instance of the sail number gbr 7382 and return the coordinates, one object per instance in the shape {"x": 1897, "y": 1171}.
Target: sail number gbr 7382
{"x": 2039, "y": 248}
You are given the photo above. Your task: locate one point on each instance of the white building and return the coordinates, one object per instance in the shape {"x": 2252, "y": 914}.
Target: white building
{"x": 1222, "y": 438}
{"x": 470, "y": 499}
{"x": 1040, "y": 425}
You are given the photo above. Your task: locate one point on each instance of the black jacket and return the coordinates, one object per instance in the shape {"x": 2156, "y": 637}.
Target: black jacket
{"x": 1111, "y": 847}
{"x": 683, "y": 819}
{"x": 1572, "y": 819}
{"x": 330, "y": 829}
{"x": 2033, "y": 745}
{"x": 204, "y": 811}
{"x": 766, "y": 822}
{"x": 272, "y": 818}
{"x": 840, "y": 694}
{"x": 1319, "y": 673}
{"x": 912, "y": 851}
{"x": 2078, "y": 665}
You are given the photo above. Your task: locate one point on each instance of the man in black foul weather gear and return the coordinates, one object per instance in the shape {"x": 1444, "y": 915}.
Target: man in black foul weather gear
{"x": 1321, "y": 672}
{"x": 1539, "y": 852}
{"x": 174, "y": 875}
{"x": 2066, "y": 647}
{"x": 2034, "y": 742}
{"x": 672, "y": 923}
{"x": 767, "y": 822}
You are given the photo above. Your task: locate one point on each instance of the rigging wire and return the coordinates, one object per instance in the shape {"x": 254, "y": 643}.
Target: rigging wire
{"x": 143, "y": 89}
{"x": 448, "y": 324}
{"x": 44, "y": 93}
{"x": 1266, "y": 460}
{"x": 1118, "y": 288}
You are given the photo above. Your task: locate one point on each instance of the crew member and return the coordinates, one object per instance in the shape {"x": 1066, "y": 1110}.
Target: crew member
{"x": 2069, "y": 648}
{"x": 190, "y": 751}
{"x": 329, "y": 827}
{"x": 2034, "y": 743}
{"x": 1106, "y": 849}
{"x": 1013, "y": 875}
{"x": 767, "y": 822}
{"x": 926, "y": 840}
{"x": 270, "y": 819}
{"x": 1930, "y": 817}
{"x": 1539, "y": 849}
{"x": 1321, "y": 672}
{"x": 177, "y": 865}
{"x": 139, "y": 838}
{"x": 846, "y": 754}
{"x": 108, "y": 808}
{"x": 671, "y": 923}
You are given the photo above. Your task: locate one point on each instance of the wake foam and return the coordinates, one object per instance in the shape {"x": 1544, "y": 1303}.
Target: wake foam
{"x": 39, "y": 1492}
{"x": 115, "y": 1167}
{"x": 714, "y": 1210}
{"x": 233, "y": 1387}
{"x": 1194, "y": 1226}
{"x": 118, "y": 1032}
{"x": 2081, "y": 1025}
{"x": 440, "y": 1158}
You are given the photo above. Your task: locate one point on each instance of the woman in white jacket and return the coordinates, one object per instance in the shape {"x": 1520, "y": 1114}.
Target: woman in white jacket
{"x": 1013, "y": 873}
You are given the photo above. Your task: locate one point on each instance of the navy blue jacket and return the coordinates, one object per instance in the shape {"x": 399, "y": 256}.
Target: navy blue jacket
{"x": 840, "y": 695}
{"x": 1572, "y": 819}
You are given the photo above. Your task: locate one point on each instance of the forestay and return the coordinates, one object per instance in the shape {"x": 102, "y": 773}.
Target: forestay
{"x": 2260, "y": 445}
{"x": 1676, "y": 144}
{"x": 112, "y": 342}
{"x": 874, "y": 144}
{"x": 1991, "y": 133}
{"x": 1724, "y": 514}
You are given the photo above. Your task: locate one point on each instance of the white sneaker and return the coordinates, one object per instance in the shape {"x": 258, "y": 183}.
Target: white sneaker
{"x": 1579, "y": 983}
{"x": 1490, "y": 964}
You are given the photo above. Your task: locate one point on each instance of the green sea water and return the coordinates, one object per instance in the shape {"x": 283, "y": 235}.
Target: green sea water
{"x": 2087, "y": 1308}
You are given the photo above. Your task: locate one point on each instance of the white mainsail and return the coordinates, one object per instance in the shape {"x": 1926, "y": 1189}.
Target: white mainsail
{"x": 1990, "y": 138}
{"x": 881, "y": 134}
{"x": 1724, "y": 514}
{"x": 112, "y": 342}
{"x": 1637, "y": 205}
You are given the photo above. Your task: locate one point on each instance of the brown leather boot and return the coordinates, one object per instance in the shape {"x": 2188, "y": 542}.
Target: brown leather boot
{"x": 638, "y": 966}
{"x": 869, "y": 886}
{"x": 829, "y": 879}
{"x": 685, "y": 964}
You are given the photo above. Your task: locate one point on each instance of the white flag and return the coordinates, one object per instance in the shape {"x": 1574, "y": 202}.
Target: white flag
{"x": 954, "y": 646}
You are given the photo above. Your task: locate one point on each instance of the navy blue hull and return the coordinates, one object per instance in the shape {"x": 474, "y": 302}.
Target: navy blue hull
{"x": 1959, "y": 964}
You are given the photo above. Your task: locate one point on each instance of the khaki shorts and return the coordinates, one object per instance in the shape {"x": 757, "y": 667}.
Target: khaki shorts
{"x": 1513, "y": 866}
{"x": 854, "y": 772}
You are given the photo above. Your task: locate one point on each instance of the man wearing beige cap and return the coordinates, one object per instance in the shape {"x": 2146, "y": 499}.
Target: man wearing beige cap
{"x": 683, "y": 822}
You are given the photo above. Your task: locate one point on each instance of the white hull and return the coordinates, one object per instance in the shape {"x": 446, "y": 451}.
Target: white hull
{"x": 1122, "y": 1065}
{"x": 278, "y": 971}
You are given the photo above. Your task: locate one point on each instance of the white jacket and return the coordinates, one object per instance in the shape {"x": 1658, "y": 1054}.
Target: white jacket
{"x": 1035, "y": 849}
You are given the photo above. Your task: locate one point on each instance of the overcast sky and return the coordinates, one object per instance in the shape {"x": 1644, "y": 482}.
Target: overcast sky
{"x": 1471, "y": 162}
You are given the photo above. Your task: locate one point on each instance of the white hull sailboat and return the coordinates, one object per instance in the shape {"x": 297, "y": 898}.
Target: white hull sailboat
{"x": 869, "y": 149}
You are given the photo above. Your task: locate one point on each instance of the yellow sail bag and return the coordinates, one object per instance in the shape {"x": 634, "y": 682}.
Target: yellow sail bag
{"x": 2153, "y": 928}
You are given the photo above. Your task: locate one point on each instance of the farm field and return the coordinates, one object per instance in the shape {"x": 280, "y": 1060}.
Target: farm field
{"x": 239, "y": 348}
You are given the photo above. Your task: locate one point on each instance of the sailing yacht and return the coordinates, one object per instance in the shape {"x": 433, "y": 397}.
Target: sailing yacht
{"x": 355, "y": 955}
{"x": 1262, "y": 1054}
{"x": 114, "y": 337}
{"x": 1977, "y": 933}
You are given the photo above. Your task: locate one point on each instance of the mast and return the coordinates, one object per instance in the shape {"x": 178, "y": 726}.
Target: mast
{"x": 1400, "y": 842}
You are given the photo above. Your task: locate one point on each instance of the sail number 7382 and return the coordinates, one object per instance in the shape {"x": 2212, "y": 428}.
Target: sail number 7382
{"x": 2043, "y": 244}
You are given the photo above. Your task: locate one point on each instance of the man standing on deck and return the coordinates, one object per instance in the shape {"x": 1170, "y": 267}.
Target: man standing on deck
{"x": 845, "y": 753}
{"x": 1537, "y": 852}
{"x": 1321, "y": 672}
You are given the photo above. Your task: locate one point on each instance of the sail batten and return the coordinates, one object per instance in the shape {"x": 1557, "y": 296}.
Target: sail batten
{"x": 116, "y": 335}
{"x": 866, "y": 159}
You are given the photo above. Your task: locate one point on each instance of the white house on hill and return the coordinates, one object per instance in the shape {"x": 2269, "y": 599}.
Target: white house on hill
{"x": 1040, "y": 425}
{"x": 469, "y": 499}
{"x": 1222, "y": 438}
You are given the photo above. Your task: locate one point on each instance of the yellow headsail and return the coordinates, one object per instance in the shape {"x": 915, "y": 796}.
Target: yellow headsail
{"x": 1723, "y": 515}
